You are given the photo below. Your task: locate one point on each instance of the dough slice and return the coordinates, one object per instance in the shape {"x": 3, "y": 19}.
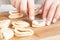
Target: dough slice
{"x": 7, "y": 33}
{"x": 1, "y": 35}
{"x": 37, "y": 11}
{"x": 15, "y": 14}
{"x": 20, "y": 24}
{"x": 38, "y": 23}
{"x": 20, "y": 32}
{"x": 5, "y": 23}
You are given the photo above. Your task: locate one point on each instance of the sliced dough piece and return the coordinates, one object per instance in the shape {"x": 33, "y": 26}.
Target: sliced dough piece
{"x": 37, "y": 11}
{"x": 7, "y": 33}
{"x": 5, "y": 23}
{"x": 15, "y": 14}
{"x": 1, "y": 35}
{"x": 20, "y": 32}
{"x": 38, "y": 23}
{"x": 20, "y": 24}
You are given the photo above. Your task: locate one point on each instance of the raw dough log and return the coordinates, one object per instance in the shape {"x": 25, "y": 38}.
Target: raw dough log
{"x": 20, "y": 32}
{"x": 5, "y": 23}
{"x": 38, "y": 23}
{"x": 7, "y": 33}
{"x": 20, "y": 24}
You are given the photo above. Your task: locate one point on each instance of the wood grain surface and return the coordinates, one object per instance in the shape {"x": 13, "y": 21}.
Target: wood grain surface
{"x": 51, "y": 32}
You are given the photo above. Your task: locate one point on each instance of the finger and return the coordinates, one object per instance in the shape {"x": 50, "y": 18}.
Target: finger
{"x": 13, "y": 2}
{"x": 41, "y": 9}
{"x": 57, "y": 15}
{"x": 31, "y": 7}
{"x": 51, "y": 13}
{"x": 18, "y": 5}
{"x": 23, "y": 7}
{"x": 47, "y": 5}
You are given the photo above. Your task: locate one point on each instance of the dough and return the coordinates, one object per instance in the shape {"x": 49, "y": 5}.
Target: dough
{"x": 7, "y": 33}
{"x": 37, "y": 11}
{"x": 38, "y": 23}
{"x": 15, "y": 14}
{"x": 20, "y": 24}
{"x": 5, "y": 23}
{"x": 1, "y": 35}
{"x": 19, "y": 32}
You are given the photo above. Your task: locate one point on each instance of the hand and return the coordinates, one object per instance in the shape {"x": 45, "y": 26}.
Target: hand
{"x": 25, "y": 6}
{"x": 51, "y": 11}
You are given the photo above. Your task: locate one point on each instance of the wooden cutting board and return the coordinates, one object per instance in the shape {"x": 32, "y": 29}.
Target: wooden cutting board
{"x": 51, "y": 32}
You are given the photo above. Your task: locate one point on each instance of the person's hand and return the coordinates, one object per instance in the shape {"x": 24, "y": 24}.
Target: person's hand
{"x": 25, "y": 6}
{"x": 51, "y": 11}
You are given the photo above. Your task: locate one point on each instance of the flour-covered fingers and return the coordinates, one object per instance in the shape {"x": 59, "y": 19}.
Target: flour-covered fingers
{"x": 31, "y": 7}
{"x": 57, "y": 14}
{"x": 47, "y": 5}
{"x": 52, "y": 12}
{"x": 13, "y": 2}
{"x": 23, "y": 6}
{"x": 18, "y": 2}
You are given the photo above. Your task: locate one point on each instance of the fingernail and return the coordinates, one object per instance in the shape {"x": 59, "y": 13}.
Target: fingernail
{"x": 48, "y": 23}
{"x": 54, "y": 20}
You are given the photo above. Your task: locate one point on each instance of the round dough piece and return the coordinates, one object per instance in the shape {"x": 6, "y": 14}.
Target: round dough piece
{"x": 20, "y": 32}
{"x": 38, "y": 23}
{"x": 7, "y": 33}
{"x": 5, "y": 23}
{"x": 20, "y": 24}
